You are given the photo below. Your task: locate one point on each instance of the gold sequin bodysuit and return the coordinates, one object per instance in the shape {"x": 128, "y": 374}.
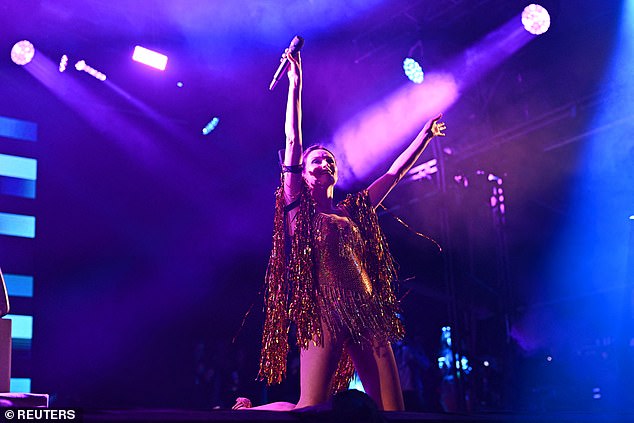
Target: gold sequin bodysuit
{"x": 344, "y": 287}
{"x": 337, "y": 271}
{"x": 339, "y": 249}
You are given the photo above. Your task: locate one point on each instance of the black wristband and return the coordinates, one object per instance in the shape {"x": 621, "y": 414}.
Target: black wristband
{"x": 292, "y": 169}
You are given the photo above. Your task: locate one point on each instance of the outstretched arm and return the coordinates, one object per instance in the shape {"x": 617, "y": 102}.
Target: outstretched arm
{"x": 380, "y": 188}
{"x": 293, "y": 127}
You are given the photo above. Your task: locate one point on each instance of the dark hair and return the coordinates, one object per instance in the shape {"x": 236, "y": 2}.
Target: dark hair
{"x": 313, "y": 148}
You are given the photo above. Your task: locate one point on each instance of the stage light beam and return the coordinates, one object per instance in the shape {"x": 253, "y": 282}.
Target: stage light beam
{"x": 392, "y": 121}
{"x": 22, "y": 52}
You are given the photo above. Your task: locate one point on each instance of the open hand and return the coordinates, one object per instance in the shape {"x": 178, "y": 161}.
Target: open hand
{"x": 435, "y": 128}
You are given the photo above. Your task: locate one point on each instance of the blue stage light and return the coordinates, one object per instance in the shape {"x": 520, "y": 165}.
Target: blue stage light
{"x": 19, "y": 285}
{"x": 211, "y": 126}
{"x": 20, "y": 384}
{"x": 17, "y": 225}
{"x": 22, "y": 326}
{"x": 18, "y": 129}
{"x": 18, "y": 167}
{"x": 413, "y": 70}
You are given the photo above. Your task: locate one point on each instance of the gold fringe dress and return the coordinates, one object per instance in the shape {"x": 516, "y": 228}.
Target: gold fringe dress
{"x": 338, "y": 271}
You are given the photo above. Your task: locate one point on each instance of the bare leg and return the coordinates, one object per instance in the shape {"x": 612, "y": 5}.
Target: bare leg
{"x": 245, "y": 404}
{"x": 379, "y": 374}
{"x": 275, "y": 406}
{"x": 317, "y": 368}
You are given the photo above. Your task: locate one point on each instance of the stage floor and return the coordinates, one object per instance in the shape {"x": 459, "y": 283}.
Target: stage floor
{"x": 175, "y": 415}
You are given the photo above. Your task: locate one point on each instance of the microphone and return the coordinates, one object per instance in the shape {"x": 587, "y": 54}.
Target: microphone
{"x": 296, "y": 44}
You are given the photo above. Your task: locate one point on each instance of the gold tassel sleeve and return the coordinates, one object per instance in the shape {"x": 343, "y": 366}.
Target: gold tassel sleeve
{"x": 380, "y": 264}
{"x": 276, "y": 323}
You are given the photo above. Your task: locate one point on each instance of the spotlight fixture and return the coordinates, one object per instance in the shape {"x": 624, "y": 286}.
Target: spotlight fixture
{"x": 211, "y": 126}
{"x": 82, "y": 66}
{"x": 413, "y": 70}
{"x": 424, "y": 170}
{"x": 492, "y": 177}
{"x": 63, "y": 63}
{"x": 22, "y": 52}
{"x": 497, "y": 198}
{"x": 461, "y": 180}
{"x": 535, "y": 19}
{"x": 149, "y": 57}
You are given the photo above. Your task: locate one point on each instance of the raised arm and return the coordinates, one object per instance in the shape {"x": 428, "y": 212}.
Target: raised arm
{"x": 380, "y": 188}
{"x": 293, "y": 129}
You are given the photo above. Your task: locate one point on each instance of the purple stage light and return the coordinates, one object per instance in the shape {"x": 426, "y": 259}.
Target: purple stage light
{"x": 535, "y": 19}
{"x": 82, "y": 66}
{"x": 149, "y": 57}
{"x": 63, "y": 63}
{"x": 424, "y": 170}
{"x": 461, "y": 180}
{"x": 22, "y": 52}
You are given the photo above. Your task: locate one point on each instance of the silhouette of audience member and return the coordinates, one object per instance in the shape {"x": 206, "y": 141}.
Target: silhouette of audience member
{"x": 412, "y": 364}
{"x": 354, "y": 406}
{"x": 206, "y": 376}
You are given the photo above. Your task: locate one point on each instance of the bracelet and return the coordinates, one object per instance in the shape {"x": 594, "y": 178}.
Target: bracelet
{"x": 292, "y": 168}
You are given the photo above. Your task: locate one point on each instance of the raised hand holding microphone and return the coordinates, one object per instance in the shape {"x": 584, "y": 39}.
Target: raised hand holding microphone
{"x": 296, "y": 44}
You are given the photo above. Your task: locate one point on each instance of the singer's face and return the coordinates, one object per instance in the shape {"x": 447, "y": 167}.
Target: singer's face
{"x": 320, "y": 168}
